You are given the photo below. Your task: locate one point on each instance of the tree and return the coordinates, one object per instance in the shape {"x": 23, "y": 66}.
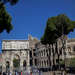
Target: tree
{"x": 49, "y": 36}
{"x": 16, "y": 62}
{"x": 55, "y": 28}
{"x": 5, "y": 18}
{"x": 12, "y": 2}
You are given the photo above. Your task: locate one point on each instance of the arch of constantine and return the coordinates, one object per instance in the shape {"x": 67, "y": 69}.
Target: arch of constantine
{"x": 15, "y": 54}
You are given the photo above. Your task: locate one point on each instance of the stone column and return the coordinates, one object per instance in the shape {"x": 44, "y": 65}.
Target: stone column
{"x": 21, "y": 63}
{"x": 3, "y": 64}
{"x": 11, "y": 63}
{"x": 3, "y": 67}
{"x": 11, "y": 66}
{"x": 51, "y": 56}
{"x": 28, "y": 61}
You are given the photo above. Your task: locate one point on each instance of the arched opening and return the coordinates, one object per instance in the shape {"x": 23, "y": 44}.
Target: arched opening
{"x": 24, "y": 64}
{"x": 7, "y": 66}
{"x": 16, "y": 61}
{"x": 69, "y": 50}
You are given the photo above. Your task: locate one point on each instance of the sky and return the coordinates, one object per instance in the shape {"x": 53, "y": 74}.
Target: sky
{"x": 30, "y": 17}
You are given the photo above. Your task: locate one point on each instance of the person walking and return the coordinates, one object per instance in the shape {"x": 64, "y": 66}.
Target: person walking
{"x": 0, "y": 73}
{"x": 9, "y": 73}
{"x": 30, "y": 73}
{"x": 16, "y": 73}
{"x": 21, "y": 72}
{"x": 4, "y": 73}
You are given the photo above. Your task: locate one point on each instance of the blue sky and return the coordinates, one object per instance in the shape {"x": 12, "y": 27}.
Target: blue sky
{"x": 30, "y": 16}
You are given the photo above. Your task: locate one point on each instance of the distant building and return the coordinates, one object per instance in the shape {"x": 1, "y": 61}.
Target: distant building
{"x": 44, "y": 56}
{"x": 70, "y": 52}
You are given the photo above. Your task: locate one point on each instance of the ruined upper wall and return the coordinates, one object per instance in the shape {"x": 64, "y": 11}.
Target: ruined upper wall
{"x": 32, "y": 41}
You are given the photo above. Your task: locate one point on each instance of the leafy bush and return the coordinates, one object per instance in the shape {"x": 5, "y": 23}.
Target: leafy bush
{"x": 16, "y": 62}
{"x": 72, "y": 62}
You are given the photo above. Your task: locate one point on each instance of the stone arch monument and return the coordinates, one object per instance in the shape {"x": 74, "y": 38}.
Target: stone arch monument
{"x": 15, "y": 49}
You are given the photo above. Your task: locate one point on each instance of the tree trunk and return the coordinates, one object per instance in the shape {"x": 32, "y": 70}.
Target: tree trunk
{"x": 58, "y": 53}
{"x": 53, "y": 57}
{"x": 49, "y": 56}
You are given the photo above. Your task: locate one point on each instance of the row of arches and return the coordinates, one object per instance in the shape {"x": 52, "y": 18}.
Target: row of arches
{"x": 16, "y": 63}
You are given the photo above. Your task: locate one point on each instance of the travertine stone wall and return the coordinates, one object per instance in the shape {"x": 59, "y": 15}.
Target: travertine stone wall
{"x": 15, "y": 49}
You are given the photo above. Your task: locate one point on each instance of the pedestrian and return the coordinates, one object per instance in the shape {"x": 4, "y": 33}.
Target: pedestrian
{"x": 4, "y": 73}
{"x": 10, "y": 73}
{"x": 16, "y": 73}
{"x": 7, "y": 73}
{"x": 30, "y": 73}
{"x": 21, "y": 72}
{"x": 0, "y": 73}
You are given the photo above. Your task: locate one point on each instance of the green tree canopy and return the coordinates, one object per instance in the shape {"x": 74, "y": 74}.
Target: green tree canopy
{"x": 16, "y": 62}
{"x": 12, "y": 2}
{"x": 5, "y": 18}
{"x": 55, "y": 27}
